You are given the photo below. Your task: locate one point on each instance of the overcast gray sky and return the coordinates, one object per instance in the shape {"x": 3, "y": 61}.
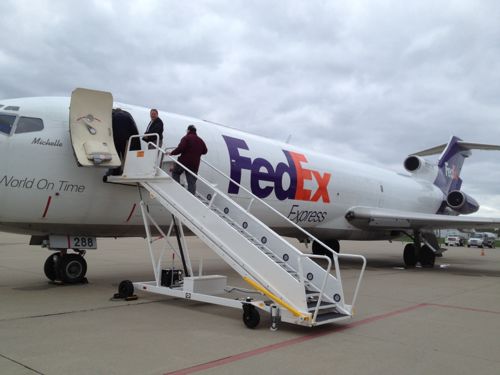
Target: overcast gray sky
{"x": 366, "y": 80}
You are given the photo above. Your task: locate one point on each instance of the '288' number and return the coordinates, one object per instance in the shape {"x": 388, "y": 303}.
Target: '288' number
{"x": 83, "y": 242}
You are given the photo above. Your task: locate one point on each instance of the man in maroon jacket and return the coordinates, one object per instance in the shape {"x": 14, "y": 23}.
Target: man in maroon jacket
{"x": 190, "y": 148}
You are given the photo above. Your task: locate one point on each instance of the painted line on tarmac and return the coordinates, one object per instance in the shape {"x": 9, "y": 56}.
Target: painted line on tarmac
{"x": 48, "y": 315}
{"x": 298, "y": 340}
{"x": 22, "y": 364}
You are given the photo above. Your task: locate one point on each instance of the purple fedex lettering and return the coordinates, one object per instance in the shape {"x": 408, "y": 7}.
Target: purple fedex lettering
{"x": 261, "y": 171}
{"x": 238, "y": 162}
{"x": 258, "y": 175}
{"x": 281, "y": 169}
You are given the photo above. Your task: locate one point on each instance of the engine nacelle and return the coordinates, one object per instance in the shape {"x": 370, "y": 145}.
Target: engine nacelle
{"x": 413, "y": 163}
{"x": 420, "y": 167}
{"x": 461, "y": 202}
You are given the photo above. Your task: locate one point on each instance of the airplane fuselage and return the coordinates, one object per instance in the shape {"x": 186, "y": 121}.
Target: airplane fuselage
{"x": 43, "y": 191}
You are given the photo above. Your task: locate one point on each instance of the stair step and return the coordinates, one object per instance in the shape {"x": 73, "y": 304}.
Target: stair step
{"x": 311, "y": 292}
{"x": 323, "y": 304}
{"x": 329, "y": 316}
{"x": 288, "y": 269}
{"x": 311, "y": 306}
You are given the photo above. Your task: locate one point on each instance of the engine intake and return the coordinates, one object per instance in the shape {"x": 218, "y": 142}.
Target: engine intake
{"x": 420, "y": 168}
{"x": 461, "y": 202}
{"x": 413, "y": 163}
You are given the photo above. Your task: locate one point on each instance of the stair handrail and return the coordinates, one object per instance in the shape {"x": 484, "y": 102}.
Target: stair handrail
{"x": 322, "y": 290}
{"x": 335, "y": 255}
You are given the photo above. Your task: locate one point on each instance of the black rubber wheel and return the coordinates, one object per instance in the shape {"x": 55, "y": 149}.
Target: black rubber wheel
{"x": 50, "y": 266}
{"x": 251, "y": 316}
{"x": 317, "y": 249}
{"x": 427, "y": 257}
{"x": 72, "y": 268}
{"x": 125, "y": 289}
{"x": 410, "y": 256}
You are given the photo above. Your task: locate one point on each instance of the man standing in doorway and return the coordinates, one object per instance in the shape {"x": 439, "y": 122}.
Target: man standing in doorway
{"x": 190, "y": 149}
{"x": 154, "y": 126}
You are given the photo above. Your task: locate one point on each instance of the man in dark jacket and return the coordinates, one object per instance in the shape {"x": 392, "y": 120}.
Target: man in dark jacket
{"x": 155, "y": 126}
{"x": 190, "y": 149}
{"x": 124, "y": 127}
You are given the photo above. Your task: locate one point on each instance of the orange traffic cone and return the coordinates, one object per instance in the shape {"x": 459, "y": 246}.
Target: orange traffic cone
{"x": 482, "y": 251}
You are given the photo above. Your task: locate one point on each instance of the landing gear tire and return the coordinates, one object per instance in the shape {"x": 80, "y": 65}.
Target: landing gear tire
{"x": 251, "y": 316}
{"x": 427, "y": 257}
{"x": 50, "y": 266}
{"x": 318, "y": 249}
{"x": 410, "y": 256}
{"x": 72, "y": 268}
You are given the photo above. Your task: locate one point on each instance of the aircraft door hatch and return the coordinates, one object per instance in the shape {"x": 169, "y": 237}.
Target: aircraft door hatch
{"x": 91, "y": 129}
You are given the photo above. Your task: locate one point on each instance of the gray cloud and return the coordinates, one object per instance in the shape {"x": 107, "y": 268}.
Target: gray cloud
{"x": 371, "y": 81}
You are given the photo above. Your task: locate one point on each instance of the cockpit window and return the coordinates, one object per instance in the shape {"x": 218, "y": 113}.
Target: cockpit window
{"x": 12, "y": 108}
{"x": 1, "y": 105}
{"x": 29, "y": 124}
{"x": 6, "y": 122}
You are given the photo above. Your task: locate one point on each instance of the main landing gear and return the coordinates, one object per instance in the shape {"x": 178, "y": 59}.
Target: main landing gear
{"x": 68, "y": 268}
{"x": 318, "y": 249}
{"x": 423, "y": 250}
{"x": 411, "y": 257}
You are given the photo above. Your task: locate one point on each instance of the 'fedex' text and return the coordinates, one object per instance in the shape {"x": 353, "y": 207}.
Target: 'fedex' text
{"x": 262, "y": 171}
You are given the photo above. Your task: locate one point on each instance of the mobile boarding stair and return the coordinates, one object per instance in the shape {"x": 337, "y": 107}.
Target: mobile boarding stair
{"x": 298, "y": 289}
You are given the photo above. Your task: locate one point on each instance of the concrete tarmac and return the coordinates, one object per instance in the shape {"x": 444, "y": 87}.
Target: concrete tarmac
{"x": 444, "y": 320}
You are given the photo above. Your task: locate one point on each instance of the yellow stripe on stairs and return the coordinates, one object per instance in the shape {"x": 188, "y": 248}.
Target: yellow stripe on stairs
{"x": 278, "y": 300}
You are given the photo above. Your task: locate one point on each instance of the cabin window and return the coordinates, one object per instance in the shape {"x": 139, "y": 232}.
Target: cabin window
{"x": 29, "y": 124}
{"x": 6, "y": 122}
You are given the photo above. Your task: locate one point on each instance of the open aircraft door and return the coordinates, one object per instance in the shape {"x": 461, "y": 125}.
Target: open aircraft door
{"x": 91, "y": 128}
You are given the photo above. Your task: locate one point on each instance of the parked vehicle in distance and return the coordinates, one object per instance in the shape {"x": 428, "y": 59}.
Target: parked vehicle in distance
{"x": 453, "y": 241}
{"x": 481, "y": 240}
{"x": 489, "y": 241}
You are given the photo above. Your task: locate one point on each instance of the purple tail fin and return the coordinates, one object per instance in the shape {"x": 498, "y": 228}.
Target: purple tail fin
{"x": 450, "y": 164}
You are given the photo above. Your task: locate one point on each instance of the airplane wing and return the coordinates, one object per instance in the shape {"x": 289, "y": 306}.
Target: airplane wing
{"x": 385, "y": 219}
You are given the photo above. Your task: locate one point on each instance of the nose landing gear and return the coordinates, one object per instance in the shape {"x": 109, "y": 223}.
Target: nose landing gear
{"x": 66, "y": 268}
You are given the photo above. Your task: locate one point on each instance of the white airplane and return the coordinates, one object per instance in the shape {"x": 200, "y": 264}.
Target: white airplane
{"x": 48, "y": 191}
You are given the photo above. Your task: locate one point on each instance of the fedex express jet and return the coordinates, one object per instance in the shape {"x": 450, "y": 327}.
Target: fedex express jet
{"x": 46, "y": 191}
